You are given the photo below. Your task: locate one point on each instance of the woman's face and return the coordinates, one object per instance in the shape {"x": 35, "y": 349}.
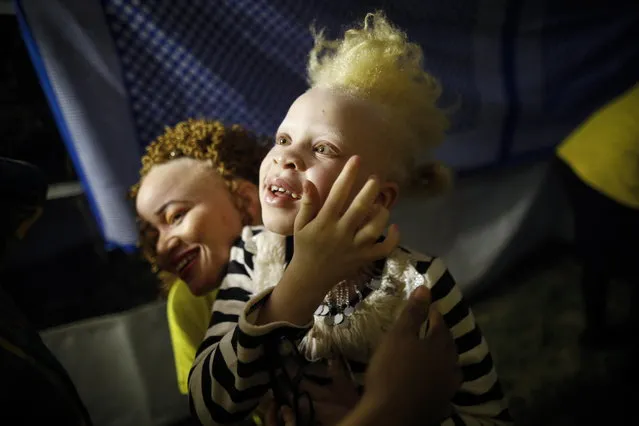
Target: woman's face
{"x": 189, "y": 206}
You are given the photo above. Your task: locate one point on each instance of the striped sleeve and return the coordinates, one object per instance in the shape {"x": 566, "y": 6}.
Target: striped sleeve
{"x": 480, "y": 399}
{"x": 230, "y": 376}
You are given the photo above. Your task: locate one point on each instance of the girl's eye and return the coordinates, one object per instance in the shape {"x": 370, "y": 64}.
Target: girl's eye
{"x": 281, "y": 140}
{"x": 175, "y": 217}
{"x": 324, "y": 149}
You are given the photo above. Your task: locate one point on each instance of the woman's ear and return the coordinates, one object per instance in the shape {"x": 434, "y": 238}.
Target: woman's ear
{"x": 388, "y": 194}
{"x": 251, "y": 200}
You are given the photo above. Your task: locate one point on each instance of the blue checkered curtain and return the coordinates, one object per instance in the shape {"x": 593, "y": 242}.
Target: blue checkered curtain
{"x": 521, "y": 74}
{"x": 244, "y": 61}
{"x": 240, "y": 61}
{"x": 505, "y": 66}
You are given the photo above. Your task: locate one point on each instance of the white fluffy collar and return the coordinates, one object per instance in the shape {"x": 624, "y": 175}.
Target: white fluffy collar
{"x": 357, "y": 338}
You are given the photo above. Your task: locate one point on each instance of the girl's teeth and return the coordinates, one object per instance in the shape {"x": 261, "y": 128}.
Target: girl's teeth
{"x": 275, "y": 188}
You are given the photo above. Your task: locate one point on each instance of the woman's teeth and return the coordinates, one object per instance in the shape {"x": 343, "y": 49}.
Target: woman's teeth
{"x": 185, "y": 261}
{"x": 275, "y": 188}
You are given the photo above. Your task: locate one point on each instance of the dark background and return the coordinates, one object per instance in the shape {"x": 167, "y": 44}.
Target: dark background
{"x": 61, "y": 272}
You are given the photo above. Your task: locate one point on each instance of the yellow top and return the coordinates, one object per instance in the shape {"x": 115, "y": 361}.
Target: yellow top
{"x": 604, "y": 150}
{"x": 189, "y": 318}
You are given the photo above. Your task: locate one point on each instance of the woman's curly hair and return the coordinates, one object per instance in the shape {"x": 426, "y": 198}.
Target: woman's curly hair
{"x": 232, "y": 151}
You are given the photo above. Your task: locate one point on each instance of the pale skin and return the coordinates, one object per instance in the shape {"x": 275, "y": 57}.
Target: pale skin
{"x": 326, "y": 237}
{"x": 333, "y": 151}
{"x": 187, "y": 220}
{"x": 192, "y": 211}
{"x": 320, "y": 132}
{"x": 331, "y": 158}
{"x": 326, "y": 182}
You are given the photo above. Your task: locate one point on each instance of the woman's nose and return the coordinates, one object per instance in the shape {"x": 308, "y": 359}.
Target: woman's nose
{"x": 166, "y": 244}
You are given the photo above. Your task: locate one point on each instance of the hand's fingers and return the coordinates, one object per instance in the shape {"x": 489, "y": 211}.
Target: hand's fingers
{"x": 344, "y": 386}
{"x": 385, "y": 248}
{"x": 342, "y": 389}
{"x": 458, "y": 380}
{"x": 341, "y": 189}
{"x": 374, "y": 228}
{"x": 317, "y": 392}
{"x": 439, "y": 330}
{"x": 356, "y": 214}
{"x": 415, "y": 312}
{"x": 441, "y": 340}
{"x": 288, "y": 416}
{"x": 437, "y": 324}
{"x": 340, "y": 375}
{"x": 271, "y": 415}
{"x": 309, "y": 206}
{"x": 331, "y": 414}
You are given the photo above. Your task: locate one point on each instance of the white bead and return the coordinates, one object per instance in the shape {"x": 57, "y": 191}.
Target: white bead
{"x": 319, "y": 309}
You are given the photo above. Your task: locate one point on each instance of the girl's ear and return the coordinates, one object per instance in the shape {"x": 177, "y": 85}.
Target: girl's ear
{"x": 388, "y": 194}
{"x": 251, "y": 200}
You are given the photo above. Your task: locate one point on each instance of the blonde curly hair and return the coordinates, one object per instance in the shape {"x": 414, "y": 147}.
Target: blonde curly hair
{"x": 232, "y": 151}
{"x": 376, "y": 62}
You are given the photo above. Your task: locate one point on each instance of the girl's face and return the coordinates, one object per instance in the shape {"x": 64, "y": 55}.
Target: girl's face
{"x": 321, "y": 131}
{"x": 192, "y": 211}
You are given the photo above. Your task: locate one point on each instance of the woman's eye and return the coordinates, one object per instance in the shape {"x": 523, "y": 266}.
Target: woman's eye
{"x": 175, "y": 217}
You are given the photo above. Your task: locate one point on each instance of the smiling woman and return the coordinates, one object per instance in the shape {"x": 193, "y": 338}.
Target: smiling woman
{"x": 193, "y": 219}
{"x": 196, "y": 192}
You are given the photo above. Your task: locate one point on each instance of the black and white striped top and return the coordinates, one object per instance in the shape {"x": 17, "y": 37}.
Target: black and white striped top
{"x": 230, "y": 374}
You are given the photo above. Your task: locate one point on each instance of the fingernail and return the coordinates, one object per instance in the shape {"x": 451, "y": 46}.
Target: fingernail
{"x": 286, "y": 414}
{"x": 421, "y": 293}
